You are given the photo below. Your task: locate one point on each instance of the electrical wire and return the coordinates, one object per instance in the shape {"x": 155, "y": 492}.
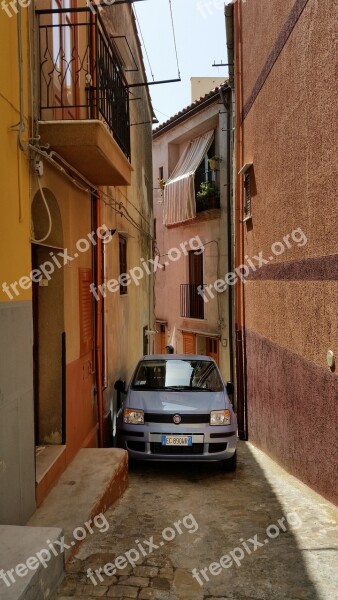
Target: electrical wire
{"x": 90, "y": 188}
{"x": 142, "y": 38}
{"x": 49, "y": 216}
{"x": 173, "y": 28}
{"x": 135, "y": 207}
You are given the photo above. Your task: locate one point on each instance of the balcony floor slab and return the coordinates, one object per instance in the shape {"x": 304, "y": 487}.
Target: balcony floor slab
{"x": 90, "y": 148}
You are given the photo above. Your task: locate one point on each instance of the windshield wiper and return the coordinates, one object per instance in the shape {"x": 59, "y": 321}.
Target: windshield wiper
{"x": 186, "y": 387}
{"x": 179, "y": 387}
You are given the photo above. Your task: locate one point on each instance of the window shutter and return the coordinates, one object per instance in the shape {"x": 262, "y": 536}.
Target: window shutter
{"x": 247, "y": 195}
{"x": 189, "y": 343}
{"x": 86, "y": 311}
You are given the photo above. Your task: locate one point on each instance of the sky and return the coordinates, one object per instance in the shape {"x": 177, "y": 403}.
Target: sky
{"x": 200, "y": 37}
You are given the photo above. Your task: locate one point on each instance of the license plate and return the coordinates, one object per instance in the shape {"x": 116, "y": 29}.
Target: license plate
{"x": 176, "y": 440}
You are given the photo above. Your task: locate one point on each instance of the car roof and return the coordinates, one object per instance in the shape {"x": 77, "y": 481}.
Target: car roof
{"x": 177, "y": 356}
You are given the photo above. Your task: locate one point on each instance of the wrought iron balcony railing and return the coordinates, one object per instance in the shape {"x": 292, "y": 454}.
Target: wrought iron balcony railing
{"x": 192, "y": 303}
{"x": 80, "y": 75}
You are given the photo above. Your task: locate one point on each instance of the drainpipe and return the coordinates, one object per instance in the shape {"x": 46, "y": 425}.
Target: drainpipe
{"x": 98, "y": 319}
{"x": 226, "y": 96}
{"x": 23, "y": 146}
{"x": 239, "y": 230}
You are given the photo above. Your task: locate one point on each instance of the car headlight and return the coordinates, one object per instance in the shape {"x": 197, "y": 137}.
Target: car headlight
{"x": 133, "y": 416}
{"x": 220, "y": 417}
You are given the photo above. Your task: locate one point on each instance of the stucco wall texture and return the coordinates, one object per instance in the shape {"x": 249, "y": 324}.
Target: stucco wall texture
{"x": 291, "y": 322}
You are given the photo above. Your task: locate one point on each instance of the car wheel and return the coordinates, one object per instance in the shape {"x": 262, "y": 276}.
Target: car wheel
{"x": 230, "y": 464}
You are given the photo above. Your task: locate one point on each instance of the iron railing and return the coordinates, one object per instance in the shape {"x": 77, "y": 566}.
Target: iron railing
{"x": 192, "y": 303}
{"x": 80, "y": 74}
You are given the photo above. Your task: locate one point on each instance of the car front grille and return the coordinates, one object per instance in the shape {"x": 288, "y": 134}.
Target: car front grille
{"x": 157, "y": 448}
{"x": 168, "y": 418}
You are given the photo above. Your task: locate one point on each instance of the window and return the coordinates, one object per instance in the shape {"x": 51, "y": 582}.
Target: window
{"x": 65, "y": 60}
{"x": 160, "y": 173}
{"x": 195, "y": 267}
{"x": 123, "y": 262}
{"x": 192, "y": 303}
{"x": 179, "y": 191}
{"x": 206, "y": 186}
{"x": 203, "y": 173}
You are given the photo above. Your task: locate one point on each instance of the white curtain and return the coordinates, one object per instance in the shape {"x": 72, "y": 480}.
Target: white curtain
{"x": 179, "y": 191}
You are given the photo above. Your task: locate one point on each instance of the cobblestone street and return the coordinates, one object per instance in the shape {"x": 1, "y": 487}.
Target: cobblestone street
{"x": 279, "y": 537}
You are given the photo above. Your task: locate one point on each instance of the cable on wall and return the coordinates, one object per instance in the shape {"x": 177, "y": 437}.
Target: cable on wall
{"x": 89, "y": 187}
{"x": 49, "y": 216}
{"x": 144, "y": 46}
{"x": 174, "y": 35}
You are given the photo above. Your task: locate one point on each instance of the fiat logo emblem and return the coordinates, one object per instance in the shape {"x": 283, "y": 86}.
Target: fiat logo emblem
{"x": 177, "y": 419}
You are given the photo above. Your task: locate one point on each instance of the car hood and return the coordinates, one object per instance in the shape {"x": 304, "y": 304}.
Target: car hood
{"x": 180, "y": 402}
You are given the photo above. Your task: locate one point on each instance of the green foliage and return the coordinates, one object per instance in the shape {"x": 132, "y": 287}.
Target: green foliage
{"x": 208, "y": 189}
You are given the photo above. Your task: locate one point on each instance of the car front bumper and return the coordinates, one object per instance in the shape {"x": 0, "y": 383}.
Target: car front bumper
{"x": 211, "y": 444}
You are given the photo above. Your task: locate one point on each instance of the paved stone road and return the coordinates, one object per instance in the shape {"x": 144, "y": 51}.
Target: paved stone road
{"x": 276, "y": 537}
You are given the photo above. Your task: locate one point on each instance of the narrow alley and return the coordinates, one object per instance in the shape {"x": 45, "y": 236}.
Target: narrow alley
{"x": 236, "y": 515}
{"x": 168, "y": 300}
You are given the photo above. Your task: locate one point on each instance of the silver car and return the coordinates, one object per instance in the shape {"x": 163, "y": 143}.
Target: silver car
{"x": 177, "y": 408}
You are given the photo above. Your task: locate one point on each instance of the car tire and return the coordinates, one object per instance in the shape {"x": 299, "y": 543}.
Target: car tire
{"x": 230, "y": 464}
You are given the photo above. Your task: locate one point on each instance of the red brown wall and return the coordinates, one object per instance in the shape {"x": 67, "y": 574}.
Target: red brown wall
{"x": 291, "y": 304}
{"x": 81, "y": 418}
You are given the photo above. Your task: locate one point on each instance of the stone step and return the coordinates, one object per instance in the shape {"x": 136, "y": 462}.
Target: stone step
{"x": 71, "y": 512}
{"x": 90, "y": 484}
{"x": 29, "y": 570}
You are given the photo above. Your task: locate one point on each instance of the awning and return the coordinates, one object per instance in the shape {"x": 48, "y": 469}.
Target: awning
{"x": 179, "y": 191}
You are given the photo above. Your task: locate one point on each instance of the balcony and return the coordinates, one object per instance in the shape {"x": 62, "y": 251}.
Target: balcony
{"x": 84, "y": 99}
{"x": 192, "y": 303}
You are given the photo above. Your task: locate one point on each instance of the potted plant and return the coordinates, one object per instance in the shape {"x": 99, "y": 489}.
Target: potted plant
{"x": 161, "y": 185}
{"x": 207, "y": 196}
{"x": 214, "y": 162}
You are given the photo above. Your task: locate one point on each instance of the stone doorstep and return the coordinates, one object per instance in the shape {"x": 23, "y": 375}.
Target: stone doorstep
{"x": 94, "y": 480}
{"x": 17, "y": 544}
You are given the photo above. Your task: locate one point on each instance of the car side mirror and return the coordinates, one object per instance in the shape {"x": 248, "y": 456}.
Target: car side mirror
{"x": 120, "y": 386}
{"x": 230, "y": 388}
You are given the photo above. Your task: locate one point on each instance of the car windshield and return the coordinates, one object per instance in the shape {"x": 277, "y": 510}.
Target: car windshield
{"x": 178, "y": 374}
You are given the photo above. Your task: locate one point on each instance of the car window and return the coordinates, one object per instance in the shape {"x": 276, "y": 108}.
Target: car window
{"x": 177, "y": 374}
